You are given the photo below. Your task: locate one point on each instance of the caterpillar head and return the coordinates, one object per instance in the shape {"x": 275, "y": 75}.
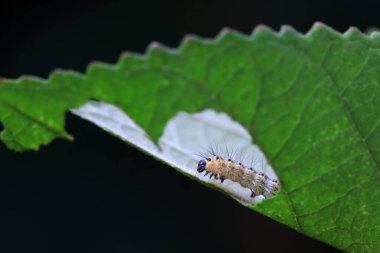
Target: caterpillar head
{"x": 201, "y": 166}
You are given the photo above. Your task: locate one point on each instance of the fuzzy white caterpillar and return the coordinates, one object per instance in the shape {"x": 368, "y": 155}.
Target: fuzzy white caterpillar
{"x": 225, "y": 168}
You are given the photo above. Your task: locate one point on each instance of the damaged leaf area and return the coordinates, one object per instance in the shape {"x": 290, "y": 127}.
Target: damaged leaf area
{"x": 310, "y": 102}
{"x": 242, "y": 170}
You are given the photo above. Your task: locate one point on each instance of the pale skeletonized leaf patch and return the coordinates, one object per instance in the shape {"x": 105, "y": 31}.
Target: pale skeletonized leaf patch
{"x": 184, "y": 138}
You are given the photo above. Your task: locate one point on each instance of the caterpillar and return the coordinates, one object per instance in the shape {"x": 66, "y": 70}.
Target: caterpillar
{"x": 225, "y": 168}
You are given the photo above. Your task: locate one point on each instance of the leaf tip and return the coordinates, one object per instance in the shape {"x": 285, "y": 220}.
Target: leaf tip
{"x": 228, "y": 33}
{"x": 225, "y": 30}
{"x": 94, "y": 64}
{"x": 319, "y": 28}
{"x": 223, "y": 33}
{"x": 319, "y": 24}
{"x": 188, "y": 37}
{"x": 129, "y": 54}
{"x": 354, "y": 32}
{"x": 154, "y": 45}
{"x": 68, "y": 137}
{"x": 263, "y": 29}
{"x": 287, "y": 29}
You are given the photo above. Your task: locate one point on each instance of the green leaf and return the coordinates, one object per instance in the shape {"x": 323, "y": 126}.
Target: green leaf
{"x": 311, "y": 102}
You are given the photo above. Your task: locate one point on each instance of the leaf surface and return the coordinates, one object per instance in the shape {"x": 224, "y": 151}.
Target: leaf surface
{"x": 311, "y": 103}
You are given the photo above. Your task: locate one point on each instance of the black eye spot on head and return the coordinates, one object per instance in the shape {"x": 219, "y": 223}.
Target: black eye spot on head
{"x": 229, "y": 160}
{"x": 217, "y": 157}
{"x": 208, "y": 159}
{"x": 201, "y": 166}
{"x": 262, "y": 174}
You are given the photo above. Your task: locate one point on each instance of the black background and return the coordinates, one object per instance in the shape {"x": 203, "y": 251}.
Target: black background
{"x": 97, "y": 194}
